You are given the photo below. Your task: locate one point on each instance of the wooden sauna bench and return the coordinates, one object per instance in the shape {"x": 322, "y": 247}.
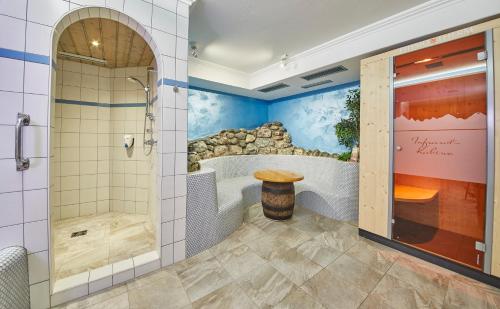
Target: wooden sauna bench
{"x": 411, "y": 194}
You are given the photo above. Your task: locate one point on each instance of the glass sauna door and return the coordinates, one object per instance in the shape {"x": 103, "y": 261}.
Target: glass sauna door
{"x": 440, "y": 155}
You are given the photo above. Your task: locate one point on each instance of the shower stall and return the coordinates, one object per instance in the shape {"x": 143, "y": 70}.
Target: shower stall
{"x": 104, "y": 166}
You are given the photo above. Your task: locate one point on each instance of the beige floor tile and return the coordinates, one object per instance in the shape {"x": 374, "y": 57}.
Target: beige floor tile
{"x": 203, "y": 278}
{"x": 355, "y": 272}
{"x": 400, "y": 294}
{"x": 429, "y": 280}
{"x": 299, "y": 299}
{"x": 247, "y": 232}
{"x": 267, "y": 225}
{"x": 318, "y": 251}
{"x": 162, "y": 289}
{"x": 267, "y": 247}
{"x": 229, "y": 296}
{"x": 98, "y": 298}
{"x": 461, "y": 294}
{"x": 295, "y": 266}
{"x": 266, "y": 286}
{"x": 192, "y": 261}
{"x": 376, "y": 256}
{"x": 376, "y": 302}
{"x": 291, "y": 237}
{"x": 333, "y": 292}
{"x": 342, "y": 239}
{"x": 227, "y": 244}
{"x": 240, "y": 260}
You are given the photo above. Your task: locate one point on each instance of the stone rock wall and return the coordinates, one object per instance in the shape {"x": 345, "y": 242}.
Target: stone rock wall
{"x": 270, "y": 138}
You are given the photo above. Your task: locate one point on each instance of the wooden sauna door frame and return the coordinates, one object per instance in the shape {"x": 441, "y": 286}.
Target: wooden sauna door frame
{"x": 490, "y": 153}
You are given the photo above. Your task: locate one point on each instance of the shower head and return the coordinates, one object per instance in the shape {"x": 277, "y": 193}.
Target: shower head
{"x": 133, "y": 79}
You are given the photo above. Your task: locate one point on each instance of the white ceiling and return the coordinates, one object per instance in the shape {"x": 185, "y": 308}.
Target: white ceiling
{"x": 248, "y": 35}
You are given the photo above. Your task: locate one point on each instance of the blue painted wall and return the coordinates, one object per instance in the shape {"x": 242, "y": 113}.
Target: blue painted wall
{"x": 210, "y": 112}
{"x": 311, "y": 119}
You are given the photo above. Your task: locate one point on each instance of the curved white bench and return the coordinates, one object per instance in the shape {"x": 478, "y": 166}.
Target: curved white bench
{"x": 219, "y": 193}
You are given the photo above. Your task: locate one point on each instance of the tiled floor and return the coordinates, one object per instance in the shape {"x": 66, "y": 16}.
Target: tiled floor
{"x": 111, "y": 237}
{"x": 308, "y": 262}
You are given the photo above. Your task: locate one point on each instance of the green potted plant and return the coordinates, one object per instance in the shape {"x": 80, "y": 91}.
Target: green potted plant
{"x": 347, "y": 130}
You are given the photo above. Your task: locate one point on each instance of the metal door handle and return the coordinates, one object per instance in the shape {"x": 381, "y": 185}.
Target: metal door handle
{"x": 21, "y": 163}
{"x": 399, "y": 148}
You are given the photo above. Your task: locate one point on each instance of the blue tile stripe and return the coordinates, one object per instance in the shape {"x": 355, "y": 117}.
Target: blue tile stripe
{"x": 20, "y": 55}
{"x": 172, "y": 82}
{"x": 86, "y": 103}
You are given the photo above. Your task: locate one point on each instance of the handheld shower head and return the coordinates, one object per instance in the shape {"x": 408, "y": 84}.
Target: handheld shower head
{"x": 133, "y": 79}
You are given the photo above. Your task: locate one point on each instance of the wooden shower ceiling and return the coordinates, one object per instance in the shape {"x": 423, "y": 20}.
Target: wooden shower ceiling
{"x": 119, "y": 45}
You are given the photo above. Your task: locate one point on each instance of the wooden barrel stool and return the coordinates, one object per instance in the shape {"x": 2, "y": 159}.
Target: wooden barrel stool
{"x": 278, "y": 193}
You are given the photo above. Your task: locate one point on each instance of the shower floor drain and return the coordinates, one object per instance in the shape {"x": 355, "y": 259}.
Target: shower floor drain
{"x": 79, "y": 233}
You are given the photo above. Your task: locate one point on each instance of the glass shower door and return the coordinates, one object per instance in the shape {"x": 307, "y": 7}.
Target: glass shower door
{"x": 440, "y": 150}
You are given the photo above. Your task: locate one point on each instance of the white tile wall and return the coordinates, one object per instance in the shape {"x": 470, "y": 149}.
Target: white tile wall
{"x": 24, "y": 87}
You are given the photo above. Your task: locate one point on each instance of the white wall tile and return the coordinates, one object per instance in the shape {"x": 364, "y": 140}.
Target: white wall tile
{"x": 38, "y": 267}
{"x": 181, "y": 119}
{"x": 181, "y": 163}
{"x": 37, "y": 107}
{"x": 12, "y": 208}
{"x": 11, "y": 75}
{"x": 10, "y": 178}
{"x": 181, "y": 99}
{"x": 36, "y": 176}
{"x": 181, "y": 141}
{"x": 115, "y": 4}
{"x": 46, "y": 12}
{"x": 166, "y": 4}
{"x": 37, "y": 39}
{"x": 13, "y": 8}
{"x": 182, "y": 27}
{"x": 164, "y": 20}
{"x": 11, "y": 236}
{"x": 89, "y": 2}
{"x": 167, "y": 233}
{"x": 35, "y": 141}
{"x": 181, "y": 70}
{"x": 11, "y": 103}
{"x": 7, "y": 145}
{"x": 35, "y": 236}
{"x": 168, "y": 67}
{"x": 168, "y": 118}
{"x": 179, "y": 251}
{"x": 168, "y": 96}
{"x": 168, "y": 141}
{"x": 36, "y": 78}
{"x": 180, "y": 207}
{"x": 168, "y": 164}
{"x": 39, "y": 295}
{"x": 183, "y": 9}
{"x": 181, "y": 48}
{"x": 12, "y": 33}
{"x": 167, "y": 190}
{"x": 167, "y": 255}
{"x": 179, "y": 229}
{"x": 180, "y": 185}
{"x": 35, "y": 205}
{"x": 165, "y": 42}
{"x": 167, "y": 210}
{"x": 139, "y": 10}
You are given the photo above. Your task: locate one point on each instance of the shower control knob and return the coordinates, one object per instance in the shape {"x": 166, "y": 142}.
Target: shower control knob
{"x": 399, "y": 148}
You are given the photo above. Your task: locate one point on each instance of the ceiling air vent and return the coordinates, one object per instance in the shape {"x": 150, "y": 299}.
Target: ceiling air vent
{"x": 434, "y": 65}
{"x": 337, "y": 69}
{"x": 274, "y": 87}
{"x": 323, "y": 82}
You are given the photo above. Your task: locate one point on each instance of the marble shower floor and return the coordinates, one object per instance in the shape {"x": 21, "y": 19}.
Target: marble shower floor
{"x": 308, "y": 262}
{"x": 111, "y": 237}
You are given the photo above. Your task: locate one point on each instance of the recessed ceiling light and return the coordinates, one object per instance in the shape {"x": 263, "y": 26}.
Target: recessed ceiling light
{"x": 95, "y": 43}
{"x": 424, "y": 60}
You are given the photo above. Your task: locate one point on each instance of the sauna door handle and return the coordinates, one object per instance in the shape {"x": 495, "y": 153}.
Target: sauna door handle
{"x": 21, "y": 163}
{"x": 399, "y": 148}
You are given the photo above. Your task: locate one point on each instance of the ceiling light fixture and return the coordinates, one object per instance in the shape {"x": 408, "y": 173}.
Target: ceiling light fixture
{"x": 424, "y": 60}
{"x": 95, "y": 43}
{"x": 83, "y": 58}
{"x": 284, "y": 60}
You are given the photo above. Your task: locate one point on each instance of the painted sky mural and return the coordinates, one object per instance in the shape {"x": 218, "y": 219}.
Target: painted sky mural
{"x": 310, "y": 119}
{"x": 209, "y": 113}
